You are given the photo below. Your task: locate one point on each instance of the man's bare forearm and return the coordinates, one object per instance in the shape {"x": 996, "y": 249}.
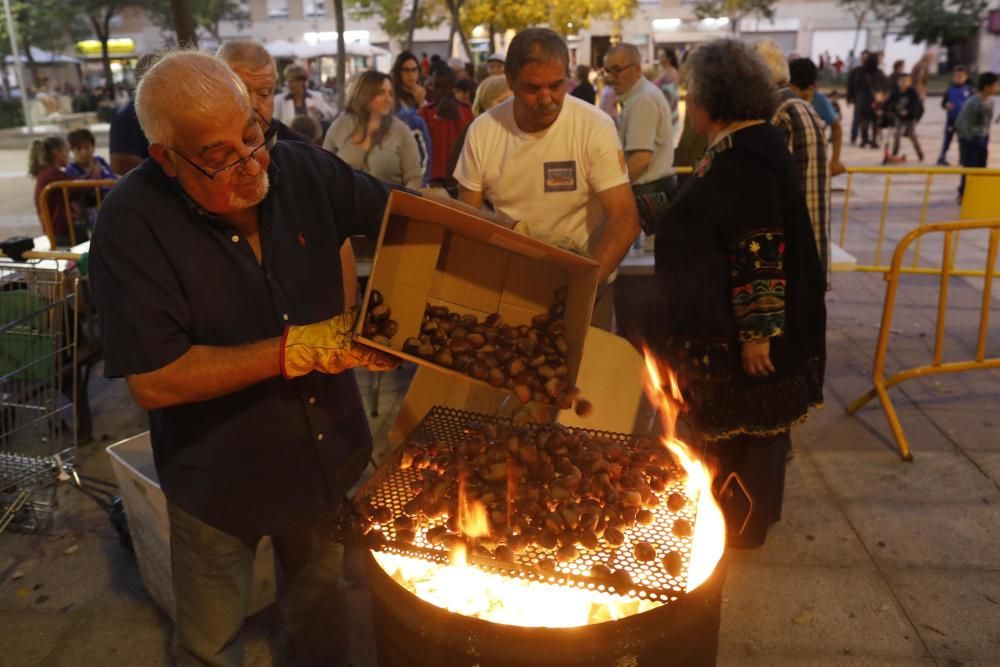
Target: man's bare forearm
{"x": 837, "y": 132}
{"x": 638, "y": 162}
{"x": 205, "y": 372}
{"x": 622, "y": 229}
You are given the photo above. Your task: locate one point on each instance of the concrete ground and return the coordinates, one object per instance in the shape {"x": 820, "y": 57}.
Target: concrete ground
{"x": 876, "y": 562}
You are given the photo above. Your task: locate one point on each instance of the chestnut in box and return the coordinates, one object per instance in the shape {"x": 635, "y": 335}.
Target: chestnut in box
{"x": 430, "y": 253}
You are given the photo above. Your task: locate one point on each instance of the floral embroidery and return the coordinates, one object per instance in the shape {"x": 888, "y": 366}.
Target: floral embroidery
{"x": 758, "y": 285}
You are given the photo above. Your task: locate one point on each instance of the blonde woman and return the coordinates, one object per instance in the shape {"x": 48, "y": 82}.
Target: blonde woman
{"x": 371, "y": 139}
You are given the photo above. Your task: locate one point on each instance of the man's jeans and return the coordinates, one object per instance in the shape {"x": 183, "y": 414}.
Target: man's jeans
{"x": 213, "y": 575}
{"x": 972, "y": 153}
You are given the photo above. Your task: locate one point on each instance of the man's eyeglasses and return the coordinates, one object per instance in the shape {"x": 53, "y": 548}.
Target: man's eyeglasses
{"x": 618, "y": 69}
{"x": 242, "y": 162}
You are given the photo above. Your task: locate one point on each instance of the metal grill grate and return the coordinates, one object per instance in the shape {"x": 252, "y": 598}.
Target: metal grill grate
{"x": 390, "y": 487}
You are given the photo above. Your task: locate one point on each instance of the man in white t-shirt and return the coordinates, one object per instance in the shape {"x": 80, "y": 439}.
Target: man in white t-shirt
{"x": 552, "y": 164}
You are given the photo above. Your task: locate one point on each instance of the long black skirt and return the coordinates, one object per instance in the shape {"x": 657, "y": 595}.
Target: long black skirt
{"x": 759, "y": 461}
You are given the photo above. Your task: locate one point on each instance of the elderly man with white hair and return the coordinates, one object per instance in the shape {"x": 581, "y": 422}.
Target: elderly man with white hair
{"x": 803, "y": 134}
{"x": 215, "y": 269}
{"x": 256, "y": 68}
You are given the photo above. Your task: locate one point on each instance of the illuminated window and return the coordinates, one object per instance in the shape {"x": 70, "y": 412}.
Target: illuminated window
{"x": 314, "y": 8}
{"x": 277, "y": 9}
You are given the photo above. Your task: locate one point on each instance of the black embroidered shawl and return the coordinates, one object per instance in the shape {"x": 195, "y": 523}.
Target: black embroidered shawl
{"x": 736, "y": 261}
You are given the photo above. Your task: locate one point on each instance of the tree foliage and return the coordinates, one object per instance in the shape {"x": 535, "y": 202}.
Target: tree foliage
{"x": 734, "y": 10}
{"x": 47, "y": 24}
{"x": 563, "y": 16}
{"x": 208, "y": 15}
{"x": 395, "y": 16}
{"x": 949, "y": 22}
{"x": 859, "y": 11}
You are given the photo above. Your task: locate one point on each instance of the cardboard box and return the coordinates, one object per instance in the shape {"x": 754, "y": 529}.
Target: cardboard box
{"x": 611, "y": 377}
{"x": 430, "y": 253}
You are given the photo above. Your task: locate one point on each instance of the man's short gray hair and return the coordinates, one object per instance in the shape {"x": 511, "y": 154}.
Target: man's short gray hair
{"x": 181, "y": 87}
{"x": 776, "y": 61}
{"x": 247, "y": 53}
{"x": 535, "y": 46}
{"x": 631, "y": 49}
{"x": 730, "y": 81}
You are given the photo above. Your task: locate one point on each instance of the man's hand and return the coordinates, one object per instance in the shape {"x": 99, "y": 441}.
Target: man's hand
{"x": 837, "y": 168}
{"x": 757, "y": 358}
{"x": 327, "y": 347}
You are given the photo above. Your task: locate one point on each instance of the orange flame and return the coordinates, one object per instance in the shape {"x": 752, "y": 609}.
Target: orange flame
{"x": 472, "y": 518}
{"x": 709, "y": 539}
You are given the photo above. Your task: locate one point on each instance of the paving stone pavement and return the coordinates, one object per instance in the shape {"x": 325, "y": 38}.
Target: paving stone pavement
{"x": 875, "y": 562}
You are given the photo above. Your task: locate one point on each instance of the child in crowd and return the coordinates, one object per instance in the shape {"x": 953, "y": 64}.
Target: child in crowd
{"x": 47, "y": 161}
{"x": 954, "y": 99}
{"x": 973, "y": 125}
{"x": 85, "y": 164}
{"x": 907, "y": 109}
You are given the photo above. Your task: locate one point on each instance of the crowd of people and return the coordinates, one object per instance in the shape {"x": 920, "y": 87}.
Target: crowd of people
{"x": 222, "y": 271}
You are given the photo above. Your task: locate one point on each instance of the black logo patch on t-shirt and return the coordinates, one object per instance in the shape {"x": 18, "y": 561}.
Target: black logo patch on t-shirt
{"x": 560, "y": 176}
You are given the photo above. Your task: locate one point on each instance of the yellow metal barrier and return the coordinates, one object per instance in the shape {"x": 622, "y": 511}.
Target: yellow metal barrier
{"x": 980, "y": 202}
{"x": 951, "y": 230}
{"x": 65, "y": 186}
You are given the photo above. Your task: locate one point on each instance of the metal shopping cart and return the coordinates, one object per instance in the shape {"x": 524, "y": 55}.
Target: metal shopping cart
{"x": 40, "y": 310}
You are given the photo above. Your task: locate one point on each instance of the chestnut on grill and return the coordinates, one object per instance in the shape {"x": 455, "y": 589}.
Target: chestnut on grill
{"x": 644, "y": 552}
{"x": 676, "y": 502}
{"x": 436, "y": 535}
{"x": 672, "y": 563}
{"x": 567, "y": 553}
{"x": 682, "y": 528}
{"x": 614, "y": 537}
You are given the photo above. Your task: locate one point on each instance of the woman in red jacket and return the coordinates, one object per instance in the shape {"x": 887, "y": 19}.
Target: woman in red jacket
{"x": 446, "y": 119}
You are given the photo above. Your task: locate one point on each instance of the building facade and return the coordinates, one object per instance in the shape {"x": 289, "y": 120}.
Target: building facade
{"x": 805, "y": 27}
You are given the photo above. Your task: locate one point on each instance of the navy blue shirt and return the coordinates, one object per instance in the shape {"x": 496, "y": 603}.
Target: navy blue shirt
{"x": 125, "y": 134}
{"x": 280, "y": 453}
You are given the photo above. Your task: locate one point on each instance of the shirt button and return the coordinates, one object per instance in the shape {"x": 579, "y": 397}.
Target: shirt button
{"x": 284, "y": 316}
{"x": 319, "y": 436}
{"x": 312, "y": 400}
{"x": 236, "y": 238}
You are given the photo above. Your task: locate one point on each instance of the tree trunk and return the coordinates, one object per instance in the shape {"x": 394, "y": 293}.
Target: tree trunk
{"x": 187, "y": 30}
{"x": 493, "y": 38}
{"x": 102, "y": 29}
{"x": 6, "y": 80}
{"x": 413, "y": 24}
{"x": 32, "y": 65}
{"x": 456, "y": 25}
{"x": 338, "y": 12}
{"x": 857, "y": 31}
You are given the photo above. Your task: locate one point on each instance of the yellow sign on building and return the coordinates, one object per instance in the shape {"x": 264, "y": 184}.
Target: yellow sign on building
{"x": 116, "y": 46}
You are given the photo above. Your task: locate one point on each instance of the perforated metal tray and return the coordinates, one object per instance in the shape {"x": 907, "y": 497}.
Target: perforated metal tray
{"x": 390, "y": 485}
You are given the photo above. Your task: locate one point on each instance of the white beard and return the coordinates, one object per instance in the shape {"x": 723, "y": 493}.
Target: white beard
{"x": 239, "y": 203}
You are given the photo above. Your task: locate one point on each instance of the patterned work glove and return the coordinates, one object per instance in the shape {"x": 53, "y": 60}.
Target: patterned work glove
{"x": 327, "y": 347}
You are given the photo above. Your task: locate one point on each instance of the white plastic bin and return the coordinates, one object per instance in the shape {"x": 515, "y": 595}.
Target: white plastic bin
{"x": 149, "y": 524}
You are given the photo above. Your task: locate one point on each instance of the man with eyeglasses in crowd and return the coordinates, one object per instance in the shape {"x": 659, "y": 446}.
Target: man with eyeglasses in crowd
{"x": 255, "y": 67}
{"x": 646, "y": 132}
{"x": 215, "y": 271}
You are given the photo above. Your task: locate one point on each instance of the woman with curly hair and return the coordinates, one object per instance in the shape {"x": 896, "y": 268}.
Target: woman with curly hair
{"x": 739, "y": 311}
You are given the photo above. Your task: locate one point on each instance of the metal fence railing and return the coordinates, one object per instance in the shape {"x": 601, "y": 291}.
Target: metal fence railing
{"x": 950, "y": 232}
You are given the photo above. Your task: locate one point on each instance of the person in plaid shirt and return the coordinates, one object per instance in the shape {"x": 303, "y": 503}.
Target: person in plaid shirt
{"x": 802, "y": 131}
